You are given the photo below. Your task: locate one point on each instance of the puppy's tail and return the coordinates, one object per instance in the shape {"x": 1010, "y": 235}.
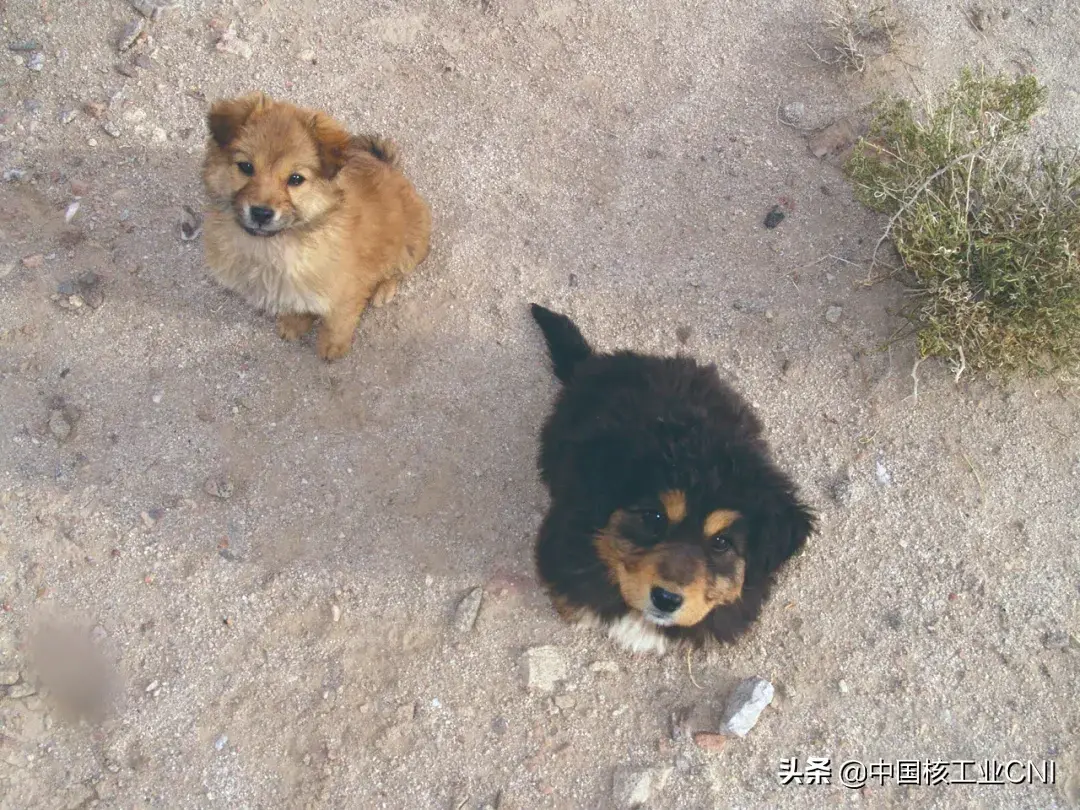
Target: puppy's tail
{"x": 565, "y": 343}
{"x": 382, "y": 148}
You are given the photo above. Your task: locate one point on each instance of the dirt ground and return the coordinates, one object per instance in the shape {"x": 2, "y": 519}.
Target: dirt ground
{"x": 242, "y": 566}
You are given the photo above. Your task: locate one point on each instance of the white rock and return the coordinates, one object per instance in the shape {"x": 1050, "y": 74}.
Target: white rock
{"x": 632, "y": 788}
{"x": 468, "y": 609}
{"x": 544, "y": 667}
{"x": 745, "y": 706}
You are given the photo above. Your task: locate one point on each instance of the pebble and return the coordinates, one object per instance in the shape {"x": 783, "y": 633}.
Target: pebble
{"x": 36, "y": 62}
{"x": 9, "y": 677}
{"x": 833, "y": 314}
{"x": 544, "y": 667}
{"x": 844, "y": 688}
{"x": 148, "y": 522}
{"x": 124, "y": 69}
{"x": 745, "y": 705}
{"x": 565, "y": 702}
{"x": 24, "y": 47}
{"x": 153, "y": 9}
{"x": 774, "y": 217}
{"x": 130, "y": 34}
{"x": 468, "y": 609}
{"x": 633, "y": 788}
{"x": 21, "y": 690}
{"x": 232, "y": 44}
{"x": 95, "y": 109}
{"x": 307, "y": 56}
{"x": 71, "y": 211}
{"x": 191, "y": 224}
{"x": 156, "y": 398}
{"x": 221, "y": 742}
{"x": 68, "y": 115}
{"x": 1052, "y": 640}
{"x": 710, "y": 741}
{"x": 793, "y": 112}
{"x": 13, "y": 175}
{"x": 335, "y": 613}
{"x": 221, "y": 488}
{"x": 111, "y": 129}
{"x": 153, "y": 686}
{"x": 59, "y": 426}
{"x": 884, "y": 477}
{"x": 833, "y": 139}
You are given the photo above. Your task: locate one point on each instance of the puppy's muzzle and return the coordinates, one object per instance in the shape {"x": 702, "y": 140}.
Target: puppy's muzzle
{"x": 259, "y": 220}
{"x": 664, "y": 600}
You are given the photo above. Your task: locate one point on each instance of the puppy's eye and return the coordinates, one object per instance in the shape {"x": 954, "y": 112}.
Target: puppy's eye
{"x": 721, "y": 542}
{"x": 653, "y": 519}
{"x": 296, "y": 179}
{"x": 245, "y": 168}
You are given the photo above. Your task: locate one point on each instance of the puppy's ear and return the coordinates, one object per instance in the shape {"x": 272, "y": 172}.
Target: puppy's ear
{"x": 228, "y": 116}
{"x": 333, "y": 144}
{"x": 783, "y": 531}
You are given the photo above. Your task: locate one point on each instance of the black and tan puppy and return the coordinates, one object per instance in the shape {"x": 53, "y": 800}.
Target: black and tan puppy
{"x": 668, "y": 519}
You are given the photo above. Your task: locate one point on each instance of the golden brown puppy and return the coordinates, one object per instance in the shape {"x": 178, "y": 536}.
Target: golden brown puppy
{"x": 306, "y": 220}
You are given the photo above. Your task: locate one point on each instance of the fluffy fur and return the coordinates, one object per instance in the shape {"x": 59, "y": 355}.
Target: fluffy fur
{"x": 668, "y": 519}
{"x": 306, "y": 220}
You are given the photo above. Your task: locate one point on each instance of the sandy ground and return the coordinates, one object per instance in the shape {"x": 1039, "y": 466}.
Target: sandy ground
{"x": 253, "y": 560}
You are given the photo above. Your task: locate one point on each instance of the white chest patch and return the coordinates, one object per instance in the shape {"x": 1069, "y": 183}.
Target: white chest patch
{"x": 635, "y": 634}
{"x": 632, "y": 632}
{"x": 275, "y": 274}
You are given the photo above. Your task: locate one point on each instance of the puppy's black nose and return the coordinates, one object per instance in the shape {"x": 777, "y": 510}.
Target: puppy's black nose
{"x": 260, "y": 215}
{"x": 665, "y": 601}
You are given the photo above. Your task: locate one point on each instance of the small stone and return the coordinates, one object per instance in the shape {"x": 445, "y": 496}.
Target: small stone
{"x": 1052, "y": 640}
{"x": 221, "y": 488}
{"x": 66, "y": 116}
{"x": 153, "y": 686}
{"x": 565, "y": 702}
{"x": 72, "y": 210}
{"x": 232, "y": 44}
{"x": 32, "y": 105}
{"x": 128, "y": 70}
{"x": 95, "y": 109}
{"x": 604, "y": 667}
{"x": 190, "y": 224}
{"x": 844, "y": 688}
{"x": 25, "y": 46}
{"x": 335, "y": 613}
{"x": 156, "y": 398}
{"x": 59, "y": 426}
{"x": 153, "y": 9}
{"x": 143, "y": 62}
{"x": 33, "y": 262}
{"x": 148, "y": 522}
{"x": 468, "y": 609}
{"x": 833, "y": 314}
{"x": 881, "y": 472}
{"x": 710, "y": 741}
{"x": 111, "y": 129}
{"x": 307, "y": 56}
{"x": 130, "y": 34}
{"x": 774, "y": 217}
{"x": 9, "y": 677}
{"x": 221, "y": 742}
{"x": 544, "y": 667}
{"x": 793, "y": 112}
{"x": 833, "y": 139}
{"x": 633, "y": 788}
{"x": 36, "y": 62}
{"x": 13, "y": 175}
{"x": 21, "y": 690}
{"x": 745, "y": 706}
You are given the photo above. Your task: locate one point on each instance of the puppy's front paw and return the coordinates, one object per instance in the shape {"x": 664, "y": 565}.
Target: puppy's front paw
{"x": 293, "y": 327}
{"x": 331, "y": 348}
{"x": 386, "y": 291}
